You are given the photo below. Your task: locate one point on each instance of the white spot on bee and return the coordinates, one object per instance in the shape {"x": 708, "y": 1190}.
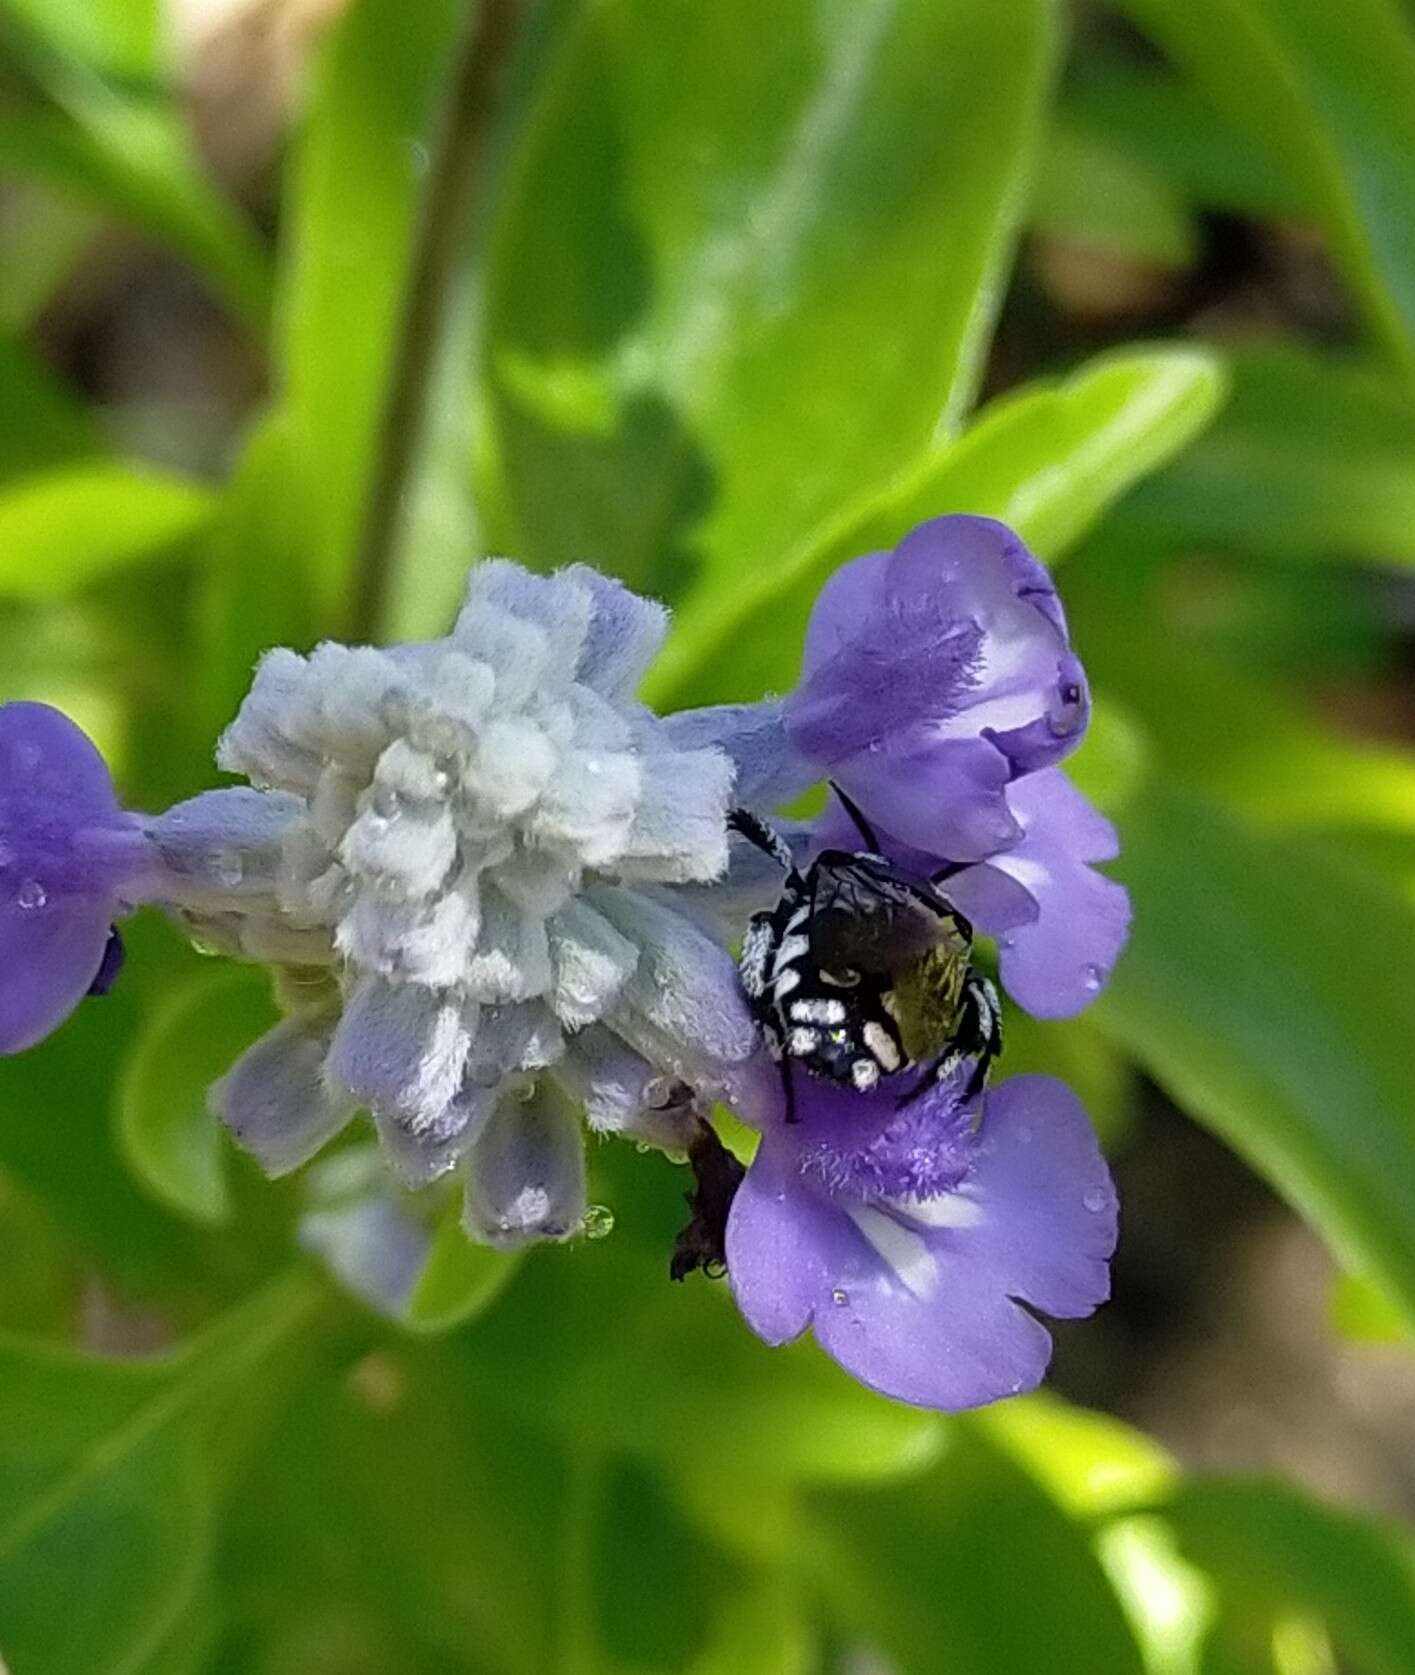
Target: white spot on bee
{"x": 817, "y": 1012}
{"x": 841, "y": 979}
{"x": 800, "y": 1042}
{"x": 792, "y": 948}
{"x": 784, "y": 982}
{"x": 798, "y": 918}
{"x": 864, "y": 1073}
{"x": 904, "y": 1250}
{"x": 879, "y": 1042}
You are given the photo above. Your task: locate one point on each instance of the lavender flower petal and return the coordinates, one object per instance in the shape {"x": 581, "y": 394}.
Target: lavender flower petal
{"x": 275, "y": 1101}
{"x": 1057, "y": 963}
{"x": 922, "y": 1299}
{"x": 526, "y": 1174}
{"x": 67, "y": 854}
{"x": 935, "y": 675}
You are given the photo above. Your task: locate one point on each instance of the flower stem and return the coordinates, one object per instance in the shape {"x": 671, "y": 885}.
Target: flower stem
{"x": 442, "y": 216}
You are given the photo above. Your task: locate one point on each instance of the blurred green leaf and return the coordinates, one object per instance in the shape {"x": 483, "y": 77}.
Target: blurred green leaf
{"x": 119, "y": 37}
{"x": 46, "y": 238}
{"x": 130, "y": 154}
{"x": 354, "y": 189}
{"x": 557, "y": 1345}
{"x": 747, "y": 262}
{"x": 1329, "y": 94}
{"x": 256, "y": 551}
{"x": 41, "y": 423}
{"x": 459, "y": 1278}
{"x": 1361, "y": 1310}
{"x": 1279, "y": 1548}
{"x": 171, "y": 1140}
{"x": 1046, "y": 459}
{"x": 65, "y": 527}
{"x": 1090, "y": 193}
{"x": 1090, "y": 1464}
{"x": 1266, "y": 987}
{"x": 1313, "y": 457}
{"x": 105, "y": 1517}
{"x": 972, "y": 1569}
{"x": 1167, "y": 127}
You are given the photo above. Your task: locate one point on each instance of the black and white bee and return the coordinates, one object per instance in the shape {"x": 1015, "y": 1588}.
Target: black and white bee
{"x": 863, "y": 969}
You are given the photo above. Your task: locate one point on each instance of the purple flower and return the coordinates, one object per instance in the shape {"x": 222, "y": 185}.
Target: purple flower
{"x": 934, "y": 676}
{"x": 70, "y": 860}
{"x": 915, "y": 1245}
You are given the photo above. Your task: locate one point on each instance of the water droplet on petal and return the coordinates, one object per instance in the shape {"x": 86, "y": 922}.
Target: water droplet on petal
{"x": 1005, "y": 942}
{"x": 1093, "y": 977}
{"x": 1095, "y": 1202}
{"x": 839, "y": 1298}
{"x": 207, "y": 950}
{"x": 597, "y": 1222}
{"x": 31, "y": 894}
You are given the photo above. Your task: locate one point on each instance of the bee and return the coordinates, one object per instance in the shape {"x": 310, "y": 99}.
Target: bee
{"x": 863, "y": 970}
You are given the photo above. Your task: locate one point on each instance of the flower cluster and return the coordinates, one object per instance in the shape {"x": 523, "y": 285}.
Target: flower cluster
{"x": 499, "y": 894}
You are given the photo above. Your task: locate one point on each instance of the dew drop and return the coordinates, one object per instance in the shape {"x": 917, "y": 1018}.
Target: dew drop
{"x": 1093, "y": 977}
{"x": 207, "y": 950}
{"x": 1095, "y": 1202}
{"x": 839, "y": 1298}
{"x": 1006, "y": 942}
{"x": 642, "y": 1147}
{"x": 597, "y": 1222}
{"x": 31, "y": 894}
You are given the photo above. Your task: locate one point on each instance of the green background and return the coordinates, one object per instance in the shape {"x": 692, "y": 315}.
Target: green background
{"x": 716, "y": 295}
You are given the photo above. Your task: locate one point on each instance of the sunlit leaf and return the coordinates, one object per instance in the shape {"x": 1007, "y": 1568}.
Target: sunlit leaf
{"x": 354, "y": 188}
{"x": 1268, "y": 479}
{"x": 1328, "y": 93}
{"x": 1362, "y": 1311}
{"x": 747, "y": 263}
{"x": 169, "y": 1136}
{"x": 971, "y": 1568}
{"x": 1270, "y": 1543}
{"x": 1046, "y": 459}
{"x": 1234, "y": 995}
{"x": 63, "y": 528}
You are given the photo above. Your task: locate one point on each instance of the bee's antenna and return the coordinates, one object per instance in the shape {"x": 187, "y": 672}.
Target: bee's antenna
{"x": 862, "y": 825}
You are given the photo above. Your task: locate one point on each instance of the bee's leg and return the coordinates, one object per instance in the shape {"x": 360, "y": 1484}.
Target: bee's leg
{"x": 754, "y": 963}
{"x": 747, "y": 825}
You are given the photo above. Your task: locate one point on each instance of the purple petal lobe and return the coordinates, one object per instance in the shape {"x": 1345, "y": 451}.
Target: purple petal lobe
{"x": 935, "y": 675}
{"x": 921, "y": 1298}
{"x": 65, "y": 849}
{"x": 110, "y": 965}
{"x": 1057, "y": 964}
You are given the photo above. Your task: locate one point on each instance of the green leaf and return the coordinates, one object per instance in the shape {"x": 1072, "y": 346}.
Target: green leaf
{"x": 556, "y": 1346}
{"x": 1268, "y": 1542}
{"x": 105, "y": 1516}
{"x": 1361, "y": 1311}
{"x": 66, "y": 527}
{"x": 1089, "y": 193}
{"x": 1328, "y": 93}
{"x": 41, "y": 423}
{"x": 1047, "y": 459}
{"x": 459, "y": 1278}
{"x": 1089, "y": 1463}
{"x": 119, "y": 37}
{"x": 1266, "y": 478}
{"x": 972, "y": 1569}
{"x": 169, "y": 1137}
{"x": 1266, "y": 987}
{"x": 1169, "y": 129}
{"x": 130, "y": 154}
{"x": 354, "y": 188}
{"x": 746, "y": 263}
{"x": 255, "y": 552}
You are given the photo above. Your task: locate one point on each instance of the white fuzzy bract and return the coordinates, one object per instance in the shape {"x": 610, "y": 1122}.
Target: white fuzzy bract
{"x": 480, "y": 838}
